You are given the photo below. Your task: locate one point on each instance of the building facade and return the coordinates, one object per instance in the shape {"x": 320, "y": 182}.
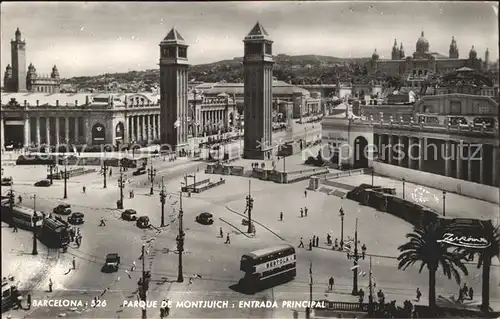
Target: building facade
{"x": 18, "y": 79}
{"x": 93, "y": 119}
{"x": 258, "y": 94}
{"x": 423, "y": 63}
{"x": 174, "y": 90}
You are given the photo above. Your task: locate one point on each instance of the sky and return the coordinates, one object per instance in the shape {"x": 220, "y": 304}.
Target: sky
{"x": 90, "y": 38}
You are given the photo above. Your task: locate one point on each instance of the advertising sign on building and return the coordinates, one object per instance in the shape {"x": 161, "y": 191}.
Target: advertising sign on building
{"x": 98, "y": 132}
{"x": 468, "y": 233}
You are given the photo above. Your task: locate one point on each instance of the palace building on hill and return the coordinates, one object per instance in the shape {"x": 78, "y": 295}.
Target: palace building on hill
{"x": 18, "y": 79}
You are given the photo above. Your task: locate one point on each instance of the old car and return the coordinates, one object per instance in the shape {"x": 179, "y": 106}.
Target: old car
{"x": 139, "y": 171}
{"x": 143, "y": 222}
{"x": 76, "y": 218}
{"x": 7, "y": 181}
{"x": 205, "y": 218}
{"x": 129, "y": 214}
{"x": 63, "y": 209}
{"x": 112, "y": 261}
{"x": 43, "y": 183}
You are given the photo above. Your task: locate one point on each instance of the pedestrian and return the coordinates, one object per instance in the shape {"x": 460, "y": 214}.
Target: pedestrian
{"x": 331, "y": 283}
{"x": 471, "y": 293}
{"x": 363, "y": 251}
{"x": 221, "y": 233}
{"x": 110, "y": 172}
{"x": 28, "y": 301}
{"x": 130, "y": 194}
{"x": 314, "y": 240}
{"x": 301, "y": 212}
{"x": 305, "y": 211}
{"x": 305, "y": 193}
{"x": 419, "y": 294}
{"x": 361, "y": 295}
{"x": 15, "y": 230}
{"x": 281, "y": 216}
{"x": 301, "y": 243}
{"x": 50, "y": 285}
{"x": 84, "y": 189}
{"x": 310, "y": 244}
{"x": 103, "y": 223}
{"x": 20, "y": 199}
{"x": 74, "y": 263}
{"x": 328, "y": 239}
{"x": 228, "y": 240}
{"x": 317, "y": 241}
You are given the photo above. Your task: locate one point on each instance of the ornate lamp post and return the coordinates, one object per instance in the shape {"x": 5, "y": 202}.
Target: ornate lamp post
{"x": 444, "y": 203}
{"x": 34, "y": 220}
{"x": 180, "y": 242}
{"x": 404, "y": 180}
{"x": 152, "y": 174}
{"x": 249, "y": 208}
{"x": 356, "y": 258}
{"x": 65, "y": 177}
{"x": 121, "y": 185}
{"x": 144, "y": 286}
{"x": 104, "y": 169}
{"x": 163, "y": 196}
{"x": 341, "y": 214}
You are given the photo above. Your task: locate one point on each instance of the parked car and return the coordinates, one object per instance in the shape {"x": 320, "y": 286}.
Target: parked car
{"x": 139, "y": 171}
{"x": 63, "y": 209}
{"x": 7, "y": 181}
{"x": 112, "y": 261}
{"x": 205, "y": 218}
{"x": 143, "y": 222}
{"x": 76, "y": 218}
{"x": 129, "y": 214}
{"x": 43, "y": 183}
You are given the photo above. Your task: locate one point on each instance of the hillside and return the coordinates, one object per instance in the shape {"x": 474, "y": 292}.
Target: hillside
{"x": 307, "y": 69}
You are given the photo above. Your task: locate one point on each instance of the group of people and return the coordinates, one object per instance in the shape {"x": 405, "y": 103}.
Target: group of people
{"x": 75, "y": 236}
{"x": 465, "y": 292}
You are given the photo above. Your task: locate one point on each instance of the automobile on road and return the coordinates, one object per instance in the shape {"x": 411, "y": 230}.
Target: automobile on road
{"x": 43, "y": 183}
{"x": 129, "y": 214}
{"x": 112, "y": 261}
{"x": 139, "y": 171}
{"x": 7, "y": 181}
{"x": 143, "y": 222}
{"x": 76, "y": 218}
{"x": 62, "y": 209}
{"x": 205, "y": 218}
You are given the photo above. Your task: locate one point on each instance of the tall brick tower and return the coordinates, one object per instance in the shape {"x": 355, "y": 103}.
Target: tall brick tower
{"x": 174, "y": 91}
{"x": 258, "y": 73}
{"x": 18, "y": 54}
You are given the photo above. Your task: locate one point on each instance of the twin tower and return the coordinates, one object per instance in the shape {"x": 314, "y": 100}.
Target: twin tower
{"x": 258, "y": 91}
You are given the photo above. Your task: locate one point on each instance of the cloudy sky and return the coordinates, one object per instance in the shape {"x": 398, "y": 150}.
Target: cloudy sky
{"x": 94, "y": 38}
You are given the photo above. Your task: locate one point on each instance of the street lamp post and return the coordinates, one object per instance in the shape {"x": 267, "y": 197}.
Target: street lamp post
{"x": 180, "y": 242}
{"x": 104, "y": 169}
{"x": 444, "y": 203}
{"x": 11, "y": 205}
{"x": 341, "y": 211}
{"x": 34, "y": 220}
{"x": 249, "y": 208}
{"x": 121, "y": 185}
{"x": 65, "y": 177}
{"x": 152, "y": 174}
{"x": 163, "y": 196}
{"x": 144, "y": 282}
{"x": 370, "y": 296}
{"x": 356, "y": 258}
{"x": 403, "y": 179}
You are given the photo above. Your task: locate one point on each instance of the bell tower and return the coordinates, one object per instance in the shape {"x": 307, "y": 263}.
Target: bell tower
{"x": 18, "y": 53}
{"x": 258, "y": 93}
{"x": 174, "y": 91}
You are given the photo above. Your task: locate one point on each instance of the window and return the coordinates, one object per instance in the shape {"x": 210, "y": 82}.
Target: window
{"x": 268, "y": 48}
{"x": 182, "y": 52}
{"x": 253, "y": 48}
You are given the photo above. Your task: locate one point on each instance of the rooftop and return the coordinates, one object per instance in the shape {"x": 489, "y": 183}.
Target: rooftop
{"x": 279, "y": 88}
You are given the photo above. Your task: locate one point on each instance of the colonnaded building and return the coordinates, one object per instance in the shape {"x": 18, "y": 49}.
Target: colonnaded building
{"x": 423, "y": 63}
{"x": 83, "y": 118}
{"x": 17, "y": 79}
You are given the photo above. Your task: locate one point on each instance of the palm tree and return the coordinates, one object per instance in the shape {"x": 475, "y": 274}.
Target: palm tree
{"x": 423, "y": 246}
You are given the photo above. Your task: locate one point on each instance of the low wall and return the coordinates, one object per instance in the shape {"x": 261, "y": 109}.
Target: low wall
{"x": 453, "y": 185}
{"x": 351, "y": 172}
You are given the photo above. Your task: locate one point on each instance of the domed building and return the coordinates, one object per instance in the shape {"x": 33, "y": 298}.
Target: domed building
{"x": 423, "y": 63}
{"x": 17, "y": 79}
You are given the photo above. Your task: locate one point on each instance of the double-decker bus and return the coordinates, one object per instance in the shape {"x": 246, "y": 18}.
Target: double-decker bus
{"x": 268, "y": 267}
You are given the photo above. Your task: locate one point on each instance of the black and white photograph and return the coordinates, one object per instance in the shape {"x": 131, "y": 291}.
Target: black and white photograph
{"x": 250, "y": 159}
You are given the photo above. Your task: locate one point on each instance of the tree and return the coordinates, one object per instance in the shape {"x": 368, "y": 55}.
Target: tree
{"x": 423, "y": 246}
{"x": 484, "y": 260}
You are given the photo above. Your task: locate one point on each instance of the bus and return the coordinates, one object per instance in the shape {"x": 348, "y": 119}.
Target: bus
{"x": 54, "y": 232}
{"x": 23, "y": 217}
{"x": 268, "y": 267}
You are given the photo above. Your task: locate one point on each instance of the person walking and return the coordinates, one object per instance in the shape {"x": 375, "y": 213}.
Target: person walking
{"x": 317, "y": 241}
{"x": 301, "y": 243}
{"x": 363, "y": 251}
{"x": 20, "y": 198}
{"x": 305, "y": 211}
{"x": 301, "y": 212}
{"x": 50, "y": 285}
{"x": 471, "y": 293}
{"x": 221, "y": 233}
{"x": 305, "y": 193}
{"x": 314, "y": 241}
{"x": 28, "y": 301}
{"x": 281, "y": 216}
{"x": 310, "y": 244}
{"x": 84, "y": 189}
{"x": 15, "y": 230}
{"x": 361, "y": 295}
{"x": 228, "y": 240}
{"x": 103, "y": 223}
{"x": 328, "y": 239}
{"x": 331, "y": 282}
{"x": 419, "y": 294}
{"x": 74, "y": 263}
